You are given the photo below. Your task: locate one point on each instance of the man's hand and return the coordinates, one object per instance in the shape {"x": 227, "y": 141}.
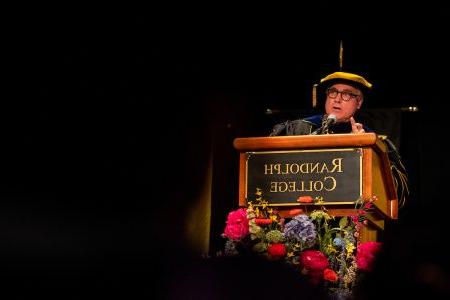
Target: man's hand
{"x": 356, "y": 127}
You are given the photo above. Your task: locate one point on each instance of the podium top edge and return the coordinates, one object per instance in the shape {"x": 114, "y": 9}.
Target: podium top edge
{"x": 305, "y": 141}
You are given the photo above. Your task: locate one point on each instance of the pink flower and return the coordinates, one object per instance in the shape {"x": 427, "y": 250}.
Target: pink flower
{"x": 366, "y": 255}
{"x": 277, "y": 250}
{"x": 354, "y": 219}
{"x": 368, "y": 205}
{"x": 237, "y": 224}
{"x": 315, "y": 262}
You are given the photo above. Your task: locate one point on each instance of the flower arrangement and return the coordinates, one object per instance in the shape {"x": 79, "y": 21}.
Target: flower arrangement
{"x": 324, "y": 248}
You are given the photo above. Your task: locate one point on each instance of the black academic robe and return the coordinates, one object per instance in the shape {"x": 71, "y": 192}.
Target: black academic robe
{"x": 310, "y": 125}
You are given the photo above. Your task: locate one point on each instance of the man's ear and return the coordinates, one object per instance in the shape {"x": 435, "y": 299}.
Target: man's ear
{"x": 360, "y": 103}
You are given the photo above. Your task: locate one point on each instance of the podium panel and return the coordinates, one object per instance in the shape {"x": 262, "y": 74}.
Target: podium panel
{"x": 339, "y": 169}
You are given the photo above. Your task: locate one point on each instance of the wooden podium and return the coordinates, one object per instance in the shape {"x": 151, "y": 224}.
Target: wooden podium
{"x": 339, "y": 168}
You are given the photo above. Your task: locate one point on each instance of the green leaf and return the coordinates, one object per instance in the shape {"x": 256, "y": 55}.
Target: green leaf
{"x": 260, "y": 247}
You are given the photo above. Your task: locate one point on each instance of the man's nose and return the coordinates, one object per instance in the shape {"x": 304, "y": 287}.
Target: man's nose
{"x": 338, "y": 98}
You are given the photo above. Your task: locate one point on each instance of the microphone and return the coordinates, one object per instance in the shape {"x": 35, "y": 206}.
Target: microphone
{"x": 330, "y": 120}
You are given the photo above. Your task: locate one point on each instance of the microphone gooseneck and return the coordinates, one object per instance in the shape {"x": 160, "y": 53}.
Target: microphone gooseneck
{"x": 330, "y": 120}
{"x": 326, "y": 123}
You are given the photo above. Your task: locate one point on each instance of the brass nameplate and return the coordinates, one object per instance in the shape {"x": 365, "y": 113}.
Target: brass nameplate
{"x": 335, "y": 175}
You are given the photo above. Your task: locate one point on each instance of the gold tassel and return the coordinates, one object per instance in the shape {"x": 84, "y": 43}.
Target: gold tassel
{"x": 314, "y": 96}
{"x": 341, "y": 56}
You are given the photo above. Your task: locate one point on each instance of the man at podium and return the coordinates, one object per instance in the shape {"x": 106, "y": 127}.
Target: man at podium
{"x": 344, "y": 97}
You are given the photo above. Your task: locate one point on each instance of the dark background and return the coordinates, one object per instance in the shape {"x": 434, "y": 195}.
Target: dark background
{"x": 108, "y": 115}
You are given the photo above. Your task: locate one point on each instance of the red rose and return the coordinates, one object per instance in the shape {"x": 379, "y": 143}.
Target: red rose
{"x": 305, "y": 199}
{"x": 294, "y": 212}
{"x": 330, "y": 275}
{"x": 277, "y": 250}
{"x": 315, "y": 262}
{"x": 261, "y": 221}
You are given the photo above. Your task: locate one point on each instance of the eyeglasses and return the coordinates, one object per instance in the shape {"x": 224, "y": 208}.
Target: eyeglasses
{"x": 346, "y": 96}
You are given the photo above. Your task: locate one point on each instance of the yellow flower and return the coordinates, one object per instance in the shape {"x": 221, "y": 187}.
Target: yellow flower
{"x": 319, "y": 200}
{"x": 350, "y": 247}
{"x": 331, "y": 249}
{"x": 319, "y": 214}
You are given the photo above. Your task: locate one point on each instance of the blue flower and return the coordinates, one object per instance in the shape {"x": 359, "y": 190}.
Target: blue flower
{"x": 301, "y": 229}
{"x": 339, "y": 242}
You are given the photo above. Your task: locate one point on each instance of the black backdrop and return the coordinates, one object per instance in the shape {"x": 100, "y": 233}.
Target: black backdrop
{"x": 108, "y": 114}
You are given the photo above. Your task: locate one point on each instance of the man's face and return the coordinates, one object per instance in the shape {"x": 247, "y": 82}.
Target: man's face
{"x": 343, "y": 101}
